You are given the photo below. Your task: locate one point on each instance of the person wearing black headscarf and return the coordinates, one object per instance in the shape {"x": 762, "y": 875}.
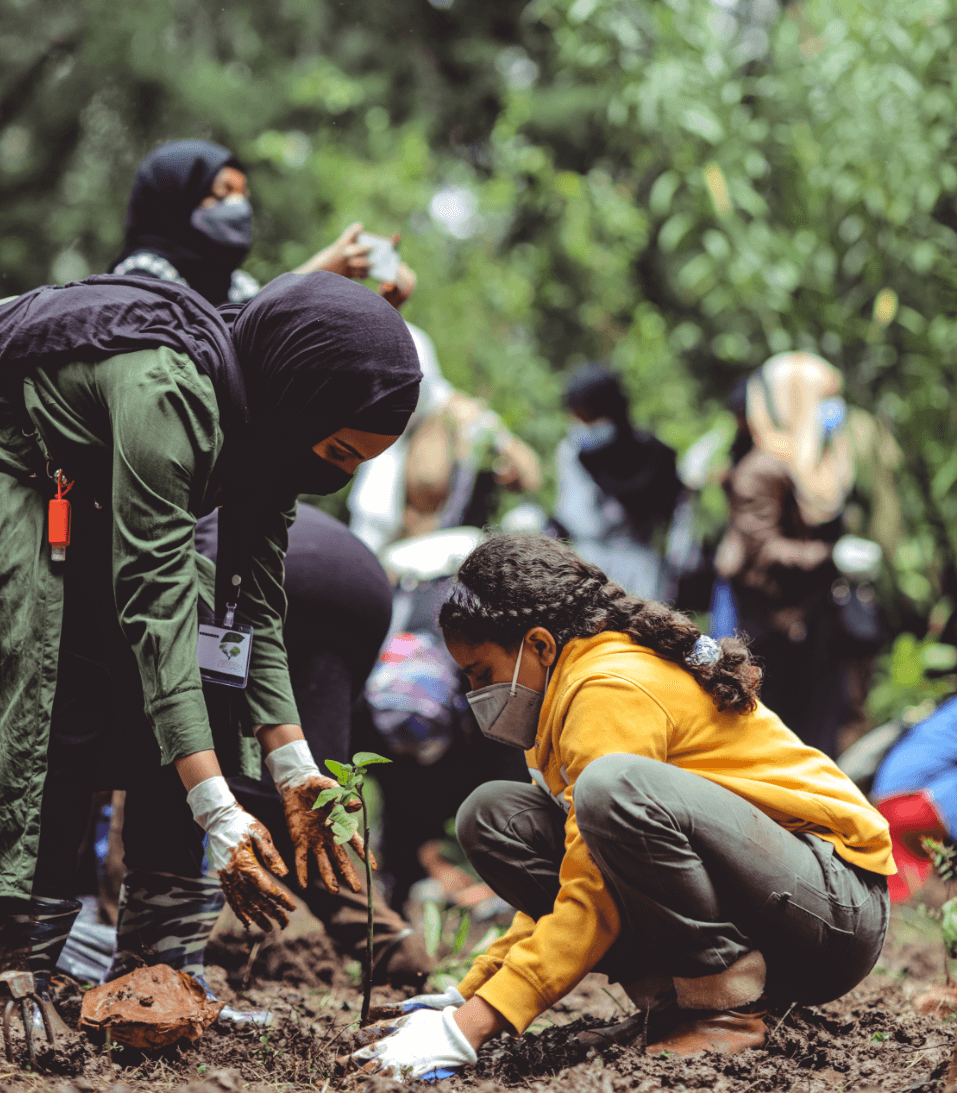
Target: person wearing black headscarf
{"x": 138, "y": 393}
{"x": 617, "y": 485}
{"x": 189, "y": 221}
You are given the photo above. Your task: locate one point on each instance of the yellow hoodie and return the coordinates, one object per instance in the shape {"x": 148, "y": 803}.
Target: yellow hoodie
{"x": 609, "y": 695}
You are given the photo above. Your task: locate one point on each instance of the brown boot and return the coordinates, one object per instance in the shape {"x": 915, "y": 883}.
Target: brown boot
{"x": 726, "y": 1031}
{"x": 730, "y": 1011}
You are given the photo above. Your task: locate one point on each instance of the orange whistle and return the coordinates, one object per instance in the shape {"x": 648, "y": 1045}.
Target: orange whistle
{"x": 59, "y": 519}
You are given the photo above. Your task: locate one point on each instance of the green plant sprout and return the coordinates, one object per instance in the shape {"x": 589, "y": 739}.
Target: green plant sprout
{"x": 450, "y": 930}
{"x": 351, "y": 778}
{"x": 945, "y": 864}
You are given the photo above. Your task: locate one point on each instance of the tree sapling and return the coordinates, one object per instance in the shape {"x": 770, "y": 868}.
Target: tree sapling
{"x": 351, "y": 778}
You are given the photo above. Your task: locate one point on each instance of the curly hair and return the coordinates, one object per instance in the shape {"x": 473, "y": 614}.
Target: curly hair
{"x": 511, "y": 583}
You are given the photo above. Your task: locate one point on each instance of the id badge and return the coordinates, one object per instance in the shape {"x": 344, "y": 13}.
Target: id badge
{"x": 224, "y": 652}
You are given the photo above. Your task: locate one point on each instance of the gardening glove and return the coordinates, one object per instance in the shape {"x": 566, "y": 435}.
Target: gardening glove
{"x": 299, "y": 783}
{"x": 449, "y": 997}
{"x": 426, "y": 1044}
{"x": 234, "y": 838}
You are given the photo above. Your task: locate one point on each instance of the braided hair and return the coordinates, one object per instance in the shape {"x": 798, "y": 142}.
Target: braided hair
{"x": 511, "y": 583}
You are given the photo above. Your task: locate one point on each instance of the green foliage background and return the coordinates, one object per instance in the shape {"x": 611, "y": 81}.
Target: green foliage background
{"x": 681, "y": 187}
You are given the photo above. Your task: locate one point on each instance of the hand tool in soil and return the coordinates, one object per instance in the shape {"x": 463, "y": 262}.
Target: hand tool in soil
{"x": 300, "y": 784}
{"x": 449, "y": 997}
{"x": 32, "y": 935}
{"x": 21, "y": 987}
{"x": 235, "y": 837}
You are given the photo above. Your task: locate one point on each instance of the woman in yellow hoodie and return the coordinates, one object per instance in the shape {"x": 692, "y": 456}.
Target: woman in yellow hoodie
{"x": 677, "y": 835}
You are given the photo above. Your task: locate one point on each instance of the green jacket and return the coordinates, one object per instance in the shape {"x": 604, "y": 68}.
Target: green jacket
{"x": 152, "y": 419}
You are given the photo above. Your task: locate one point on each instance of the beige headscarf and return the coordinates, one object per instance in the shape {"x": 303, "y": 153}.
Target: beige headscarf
{"x": 784, "y": 398}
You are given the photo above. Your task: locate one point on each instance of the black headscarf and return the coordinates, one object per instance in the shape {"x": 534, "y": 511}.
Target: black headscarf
{"x": 107, "y": 315}
{"x": 170, "y": 182}
{"x": 320, "y": 352}
{"x": 597, "y": 391}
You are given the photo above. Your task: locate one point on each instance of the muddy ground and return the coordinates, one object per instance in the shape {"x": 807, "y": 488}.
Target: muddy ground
{"x": 873, "y": 1039}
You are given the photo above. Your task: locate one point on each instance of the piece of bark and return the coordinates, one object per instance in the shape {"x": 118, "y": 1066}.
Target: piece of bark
{"x": 148, "y": 1008}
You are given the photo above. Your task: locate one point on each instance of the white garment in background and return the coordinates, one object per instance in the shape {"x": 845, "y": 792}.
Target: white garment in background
{"x": 377, "y": 498}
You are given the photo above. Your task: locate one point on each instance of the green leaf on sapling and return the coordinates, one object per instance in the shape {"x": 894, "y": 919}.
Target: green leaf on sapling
{"x": 326, "y": 796}
{"x": 343, "y": 830}
{"x": 341, "y": 771}
{"x": 367, "y": 758}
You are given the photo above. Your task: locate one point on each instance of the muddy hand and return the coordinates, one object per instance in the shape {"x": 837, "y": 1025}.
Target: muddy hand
{"x": 251, "y": 891}
{"x": 299, "y": 783}
{"x": 234, "y": 838}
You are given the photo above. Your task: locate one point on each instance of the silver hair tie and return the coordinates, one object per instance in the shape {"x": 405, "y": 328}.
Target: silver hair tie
{"x": 704, "y": 652}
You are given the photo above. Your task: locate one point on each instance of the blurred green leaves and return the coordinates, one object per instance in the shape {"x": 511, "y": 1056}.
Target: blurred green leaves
{"x": 679, "y": 187}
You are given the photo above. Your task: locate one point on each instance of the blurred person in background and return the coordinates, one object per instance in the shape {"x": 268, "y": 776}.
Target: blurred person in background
{"x": 616, "y": 486}
{"x": 787, "y": 490}
{"x": 915, "y": 790}
{"x": 189, "y": 220}
{"x": 447, "y": 469}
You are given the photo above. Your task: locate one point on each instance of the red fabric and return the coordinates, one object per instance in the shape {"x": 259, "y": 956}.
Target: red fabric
{"x": 911, "y": 816}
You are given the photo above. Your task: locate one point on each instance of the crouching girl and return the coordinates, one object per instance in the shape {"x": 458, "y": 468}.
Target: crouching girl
{"x": 677, "y": 835}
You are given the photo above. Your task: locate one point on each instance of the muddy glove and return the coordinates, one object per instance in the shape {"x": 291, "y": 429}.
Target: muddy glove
{"x": 449, "y": 997}
{"x": 299, "y": 783}
{"x": 234, "y": 838}
{"x": 427, "y": 1045}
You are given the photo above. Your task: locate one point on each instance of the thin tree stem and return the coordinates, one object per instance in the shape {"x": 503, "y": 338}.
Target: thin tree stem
{"x": 367, "y": 984}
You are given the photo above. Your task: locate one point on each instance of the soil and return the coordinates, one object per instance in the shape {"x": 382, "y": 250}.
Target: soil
{"x": 872, "y": 1039}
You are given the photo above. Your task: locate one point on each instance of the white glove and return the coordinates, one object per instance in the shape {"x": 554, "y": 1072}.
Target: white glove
{"x": 426, "y": 1044}
{"x": 234, "y": 837}
{"x": 449, "y": 997}
{"x": 291, "y": 765}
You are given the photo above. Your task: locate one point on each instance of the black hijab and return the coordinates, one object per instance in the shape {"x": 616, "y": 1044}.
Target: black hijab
{"x": 320, "y": 352}
{"x": 107, "y": 315}
{"x": 170, "y": 182}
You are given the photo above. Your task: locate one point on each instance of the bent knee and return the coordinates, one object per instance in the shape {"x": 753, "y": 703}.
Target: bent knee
{"x": 476, "y": 820}
{"x": 612, "y": 780}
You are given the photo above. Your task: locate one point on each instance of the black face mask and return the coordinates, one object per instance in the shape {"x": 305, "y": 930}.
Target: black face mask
{"x": 313, "y": 474}
{"x": 228, "y": 224}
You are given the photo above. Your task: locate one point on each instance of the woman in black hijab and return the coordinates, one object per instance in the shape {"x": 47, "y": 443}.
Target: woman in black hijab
{"x": 136, "y": 390}
{"x": 189, "y": 221}
{"x": 616, "y": 485}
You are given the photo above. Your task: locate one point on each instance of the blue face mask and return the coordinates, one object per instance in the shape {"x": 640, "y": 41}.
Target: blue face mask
{"x": 594, "y": 435}
{"x": 229, "y": 223}
{"x": 832, "y": 413}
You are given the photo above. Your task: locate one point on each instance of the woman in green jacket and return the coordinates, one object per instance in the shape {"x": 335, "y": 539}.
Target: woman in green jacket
{"x": 139, "y": 394}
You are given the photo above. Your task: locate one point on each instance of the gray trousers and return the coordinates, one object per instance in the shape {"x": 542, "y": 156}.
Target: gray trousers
{"x": 700, "y": 877}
